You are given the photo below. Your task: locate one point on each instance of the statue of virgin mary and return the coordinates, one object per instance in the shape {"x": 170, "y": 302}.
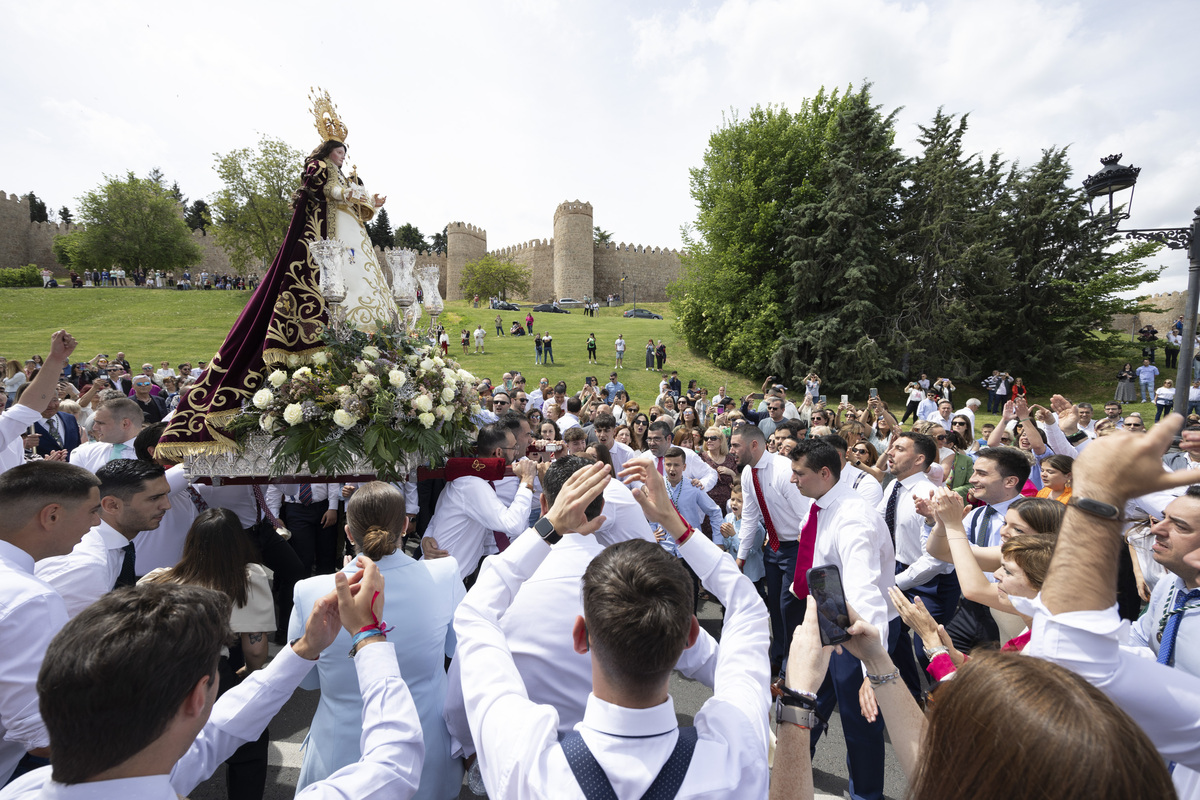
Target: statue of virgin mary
{"x": 286, "y": 316}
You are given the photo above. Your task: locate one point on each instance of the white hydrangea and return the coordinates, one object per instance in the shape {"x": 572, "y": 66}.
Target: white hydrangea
{"x": 267, "y": 423}
{"x": 449, "y": 375}
{"x": 427, "y": 420}
{"x": 343, "y": 390}
{"x": 344, "y": 419}
{"x": 448, "y": 394}
{"x": 293, "y": 414}
{"x": 371, "y": 352}
{"x": 277, "y": 378}
{"x": 465, "y": 376}
{"x": 263, "y": 398}
{"x": 423, "y": 403}
{"x": 438, "y": 361}
{"x": 397, "y": 378}
{"x": 321, "y": 358}
{"x": 475, "y": 409}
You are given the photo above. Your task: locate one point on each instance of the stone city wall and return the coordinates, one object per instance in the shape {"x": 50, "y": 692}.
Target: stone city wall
{"x": 650, "y": 268}
{"x": 538, "y": 257}
{"x": 1169, "y": 304}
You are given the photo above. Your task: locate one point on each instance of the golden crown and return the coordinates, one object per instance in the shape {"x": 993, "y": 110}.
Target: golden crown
{"x": 329, "y": 124}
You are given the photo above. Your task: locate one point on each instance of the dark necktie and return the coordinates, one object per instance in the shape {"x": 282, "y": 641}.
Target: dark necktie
{"x": 501, "y": 536}
{"x": 980, "y": 539}
{"x": 772, "y": 537}
{"x": 1166, "y": 647}
{"x": 52, "y": 426}
{"x": 305, "y": 494}
{"x": 127, "y": 576}
{"x": 804, "y": 556}
{"x": 889, "y": 514}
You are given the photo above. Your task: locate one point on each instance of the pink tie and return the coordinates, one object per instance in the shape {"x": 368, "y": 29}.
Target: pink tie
{"x": 660, "y": 468}
{"x": 804, "y": 555}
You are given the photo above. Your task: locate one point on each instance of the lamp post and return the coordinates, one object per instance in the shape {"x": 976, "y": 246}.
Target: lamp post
{"x": 1114, "y": 178}
{"x": 634, "y": 285}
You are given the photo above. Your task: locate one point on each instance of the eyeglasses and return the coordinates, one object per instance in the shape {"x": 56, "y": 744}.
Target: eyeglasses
{"x": 654, "y": 439}
{"x": 712, "y": 438}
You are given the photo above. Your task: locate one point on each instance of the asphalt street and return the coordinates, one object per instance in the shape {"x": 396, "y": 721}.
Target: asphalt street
{"x": 290, "y": 726}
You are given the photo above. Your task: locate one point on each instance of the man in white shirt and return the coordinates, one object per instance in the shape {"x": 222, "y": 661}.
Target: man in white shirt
{"x": 697, "y": 471}
{"x": 1075, "y": 620}
{"x": 917, "y": 572}
{"x": 942, "y": 414}
{"x": 468, "y": 510}
{"x": 864, "y": 484}
{"x": 770, "y": 500}
{"x": 605, "y": 427}
{"x": 28, "y": 410}
{"x": 115, "y": 426}
{"x": 538, "y": 624}
{"x": 620, "y": 343}
{"x": 48, "y": 507}
{"x": 310, "y": 512}
{"x": 133, "y": 498}
{"x": 570, "y": 417}
{"x": 629, "y": 727}
{"x": 842, "y": 530}
{"x": 927, "y": 406}
{"x": 539, "y": 395}
{"x": 996, "y": 481}
{"x": 480, "y": 333}
{"x": 150, "y": 646}
{"x": 968, "y": 411}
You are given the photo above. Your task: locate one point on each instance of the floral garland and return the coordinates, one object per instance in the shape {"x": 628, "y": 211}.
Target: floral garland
{"x": 380, "y": 395}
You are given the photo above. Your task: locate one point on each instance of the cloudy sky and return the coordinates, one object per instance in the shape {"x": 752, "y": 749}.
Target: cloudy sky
{"x": 493, "y": 112}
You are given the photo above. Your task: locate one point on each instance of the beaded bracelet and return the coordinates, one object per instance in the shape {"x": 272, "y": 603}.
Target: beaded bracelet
{"x": 879, "y": 680}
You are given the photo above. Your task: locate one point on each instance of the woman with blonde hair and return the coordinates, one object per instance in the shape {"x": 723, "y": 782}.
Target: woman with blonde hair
{"x": 716, "y": 454}
{"x": 419, "y": 604}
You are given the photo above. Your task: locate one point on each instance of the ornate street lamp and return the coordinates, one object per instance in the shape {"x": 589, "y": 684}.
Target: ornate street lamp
{"x": 1106, "y": 183}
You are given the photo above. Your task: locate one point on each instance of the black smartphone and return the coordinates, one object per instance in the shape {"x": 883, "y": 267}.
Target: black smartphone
{"x": 825, "y": 585}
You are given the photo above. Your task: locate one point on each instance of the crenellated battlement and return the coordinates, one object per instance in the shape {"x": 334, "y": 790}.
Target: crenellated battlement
{"x": 467, "y": 228}
{"x": 518, "y": 249}
{"x": 582, "y": 208}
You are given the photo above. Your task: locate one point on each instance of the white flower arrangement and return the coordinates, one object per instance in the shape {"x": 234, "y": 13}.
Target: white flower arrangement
{"x": 277, "y": 378}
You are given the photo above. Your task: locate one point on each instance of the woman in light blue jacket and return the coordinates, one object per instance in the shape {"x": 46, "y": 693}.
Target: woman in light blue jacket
{"x": 420, "y": 601}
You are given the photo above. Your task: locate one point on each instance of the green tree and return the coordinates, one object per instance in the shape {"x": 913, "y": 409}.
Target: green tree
{"x": 409, "y": 236}
{"x": 65, "y": 216}
{"x": 494, "y": 277}
{"x": 439, "y": 241}
{"x": 37, "y": 208}
{"x": 131, "y": 223}
{"x": 252, "y": 211}
{"x": 601, "y": 237}
{"x": 732, "y": 294}
{"x": 844, "y": 265}
{"x": 197, "y": 216}
{"x": 380, "y": 230}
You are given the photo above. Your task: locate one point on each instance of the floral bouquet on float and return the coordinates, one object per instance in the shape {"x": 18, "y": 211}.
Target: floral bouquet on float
{"x": 380, "y": 396}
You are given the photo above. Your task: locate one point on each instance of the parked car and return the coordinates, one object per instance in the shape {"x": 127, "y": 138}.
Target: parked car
{"x": 504, "y": 305}
{"x": 641, "y": 313}
{"x": 547, "y": 308}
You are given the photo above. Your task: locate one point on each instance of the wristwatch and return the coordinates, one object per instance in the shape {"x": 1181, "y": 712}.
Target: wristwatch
{"x": 1096, "y": 508}
{"x": 796, "y": 708}
{"x": 545, "y": 529}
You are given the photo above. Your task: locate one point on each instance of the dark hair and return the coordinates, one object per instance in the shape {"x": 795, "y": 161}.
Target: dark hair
{"x": 1032, "y": 553}
{"x": 1040, "y": 513}
{"x": 817, "y": 454}
{"x": 675, "y": 452}
{"x": 115, "y": 675}
{"x": 662, "y": 426}
{"x": 1063, "y": 464}
{"x": 835, "y": 441}
{"x": 637, "y": 604}
{"x": 749, "y": 433}
{"x": 604, "y": 421}
{"x": 560, "y": 387}
{"x": 1010, "y": 463}
{"x": 148, "y": 438}
{"x": 125, "y": 477}
{"x": 215, "y": 555}
{"x": 376, "y": 519}
{"x": 28, "y": 488}
{"x": 553, "y": 424}
{"x": 924, "y": 445}
{"x": 1075, "y": 742}
{"x": 573, "y": 405}
{"x": 326, "y": 147}
{"x": 511, "y": 421}
{"x": 490, "y": 437}
{"x": 557, "y": 474}
{"x": 574, "y": 434}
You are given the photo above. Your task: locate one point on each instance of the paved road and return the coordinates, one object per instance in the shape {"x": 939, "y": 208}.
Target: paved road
{"x": 289, "y": 728}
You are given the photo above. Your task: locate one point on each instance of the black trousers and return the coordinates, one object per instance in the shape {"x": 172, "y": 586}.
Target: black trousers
{"x": 315, "y": 546}
{"x": 246, "y": 776}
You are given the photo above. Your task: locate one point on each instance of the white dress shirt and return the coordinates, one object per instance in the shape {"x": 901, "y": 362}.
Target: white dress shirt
{"x": 31, "y": 613}
{"x": 468, "y": 510}
{"x": 567, "y": 421}
{"x": 785, "y": 504}
{"x": 1146, "y": 629}
{"x": 694, "y": 468}
{"x": 535, "y": 399}
{"x": 238, "y": 499}
{"x": 863, "y": 483}
{"x": 851, "y": 536}
{"x": 619, "y": 453}
{"x": 538, "y": 629}
{"x": 912, "y": 533}
{"x": 517, "y": 739}
{"x": 391, "y": 739}
{"x": 89, "y": 570}
{"x": 94, "y": 455}
{"x": 279, "y": 493}
{"x": 623, "y": 517}
{"x": 14, "y": 423}
{"x": 1164, "y": 701}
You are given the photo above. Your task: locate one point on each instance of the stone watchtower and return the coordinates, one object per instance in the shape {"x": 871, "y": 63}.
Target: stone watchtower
{"x": 464, "y": 243}
{"x": 574, "y": 250}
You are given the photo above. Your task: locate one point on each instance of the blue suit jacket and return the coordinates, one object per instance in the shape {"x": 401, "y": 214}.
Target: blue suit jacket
{"x": 46, "y": 443}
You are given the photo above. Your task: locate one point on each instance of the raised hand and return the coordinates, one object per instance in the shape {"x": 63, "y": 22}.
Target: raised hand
{"x": 570, "y": 506}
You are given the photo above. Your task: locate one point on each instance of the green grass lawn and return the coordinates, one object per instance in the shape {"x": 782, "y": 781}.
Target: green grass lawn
{"x": 151, "y": 325}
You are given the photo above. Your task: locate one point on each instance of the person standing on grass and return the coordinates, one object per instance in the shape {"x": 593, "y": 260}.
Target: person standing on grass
{"x": 547, "y": 348}
{"x": 480, "y": 333}
{"x": 620, "y": 352}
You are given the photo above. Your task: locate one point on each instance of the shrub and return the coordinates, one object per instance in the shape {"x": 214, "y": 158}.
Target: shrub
{"x": 28, "y": 275}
